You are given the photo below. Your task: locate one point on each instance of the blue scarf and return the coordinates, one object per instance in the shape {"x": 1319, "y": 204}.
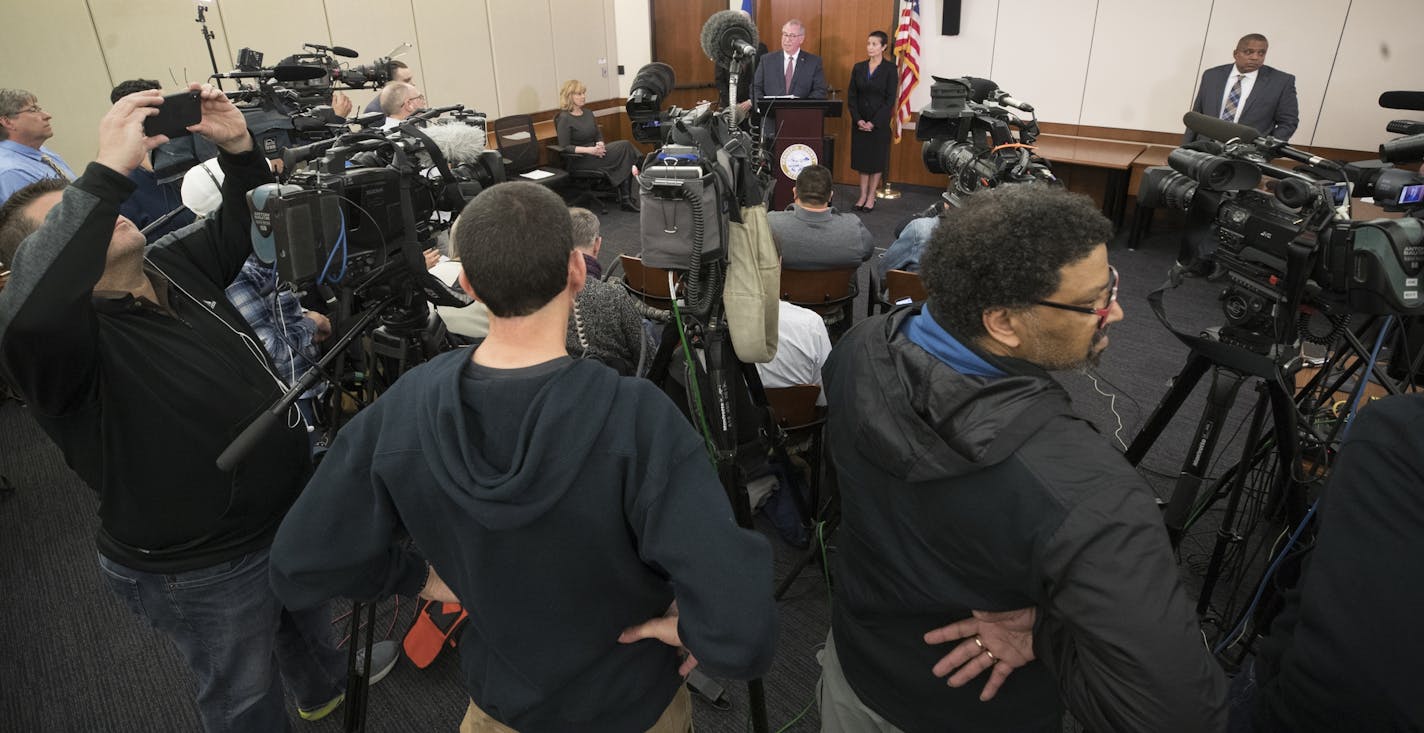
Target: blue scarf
{"x": 925, "y": 332}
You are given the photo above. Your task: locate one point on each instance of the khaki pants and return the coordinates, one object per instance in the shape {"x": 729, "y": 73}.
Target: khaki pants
{"x": 677, "y": 718}
{"x": 841, "y": 709}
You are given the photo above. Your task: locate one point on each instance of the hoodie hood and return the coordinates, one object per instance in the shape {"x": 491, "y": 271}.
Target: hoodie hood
{"x": 958, "y": 423}
{"x": 555, "y": 439}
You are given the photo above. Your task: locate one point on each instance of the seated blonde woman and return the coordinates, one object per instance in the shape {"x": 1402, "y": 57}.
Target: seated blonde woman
{"x": 579, "y": 133}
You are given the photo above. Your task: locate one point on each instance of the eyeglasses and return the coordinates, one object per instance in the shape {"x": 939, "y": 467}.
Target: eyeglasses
{"x": 1103, "y": 312}
{"x": 792, "y": 35}
{"x": 32, "y": 108}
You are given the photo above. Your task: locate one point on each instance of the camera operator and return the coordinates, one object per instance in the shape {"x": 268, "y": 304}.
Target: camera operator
{"x": 1343, "y": 653}
{"x": 400, "y": 72}
{"x": 572, "y": 511}
{"x": 970, "y": 490}
{"x": 136, "y": 366}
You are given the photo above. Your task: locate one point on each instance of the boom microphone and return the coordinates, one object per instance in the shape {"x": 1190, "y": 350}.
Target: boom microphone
{"x": 981, "y": 90}
{"x": 1226, "y": 131}
{"x": 458, "y": 142}
{"x": 335, "y": 50}
{"x": 1402, "y": 100}
{"x": 1219, "y": 129}
{"x": 728, "y": 35}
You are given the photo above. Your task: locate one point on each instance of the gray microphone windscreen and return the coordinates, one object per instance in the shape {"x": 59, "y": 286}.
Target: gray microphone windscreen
{"x": 723, "y": 31}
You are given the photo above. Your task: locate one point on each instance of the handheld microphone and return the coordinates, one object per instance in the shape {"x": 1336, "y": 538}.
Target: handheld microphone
{"x": 335, "y": 50}
{"x": 727, "y": 37}
{"x": 1002, "y": 97}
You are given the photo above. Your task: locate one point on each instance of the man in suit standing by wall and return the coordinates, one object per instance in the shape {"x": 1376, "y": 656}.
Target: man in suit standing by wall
{"x": 790, "y": 70}
{"x": 1249, "y": 92}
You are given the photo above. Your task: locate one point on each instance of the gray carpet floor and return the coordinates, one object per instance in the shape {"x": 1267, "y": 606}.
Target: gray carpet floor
{"x": 74, "y": 659}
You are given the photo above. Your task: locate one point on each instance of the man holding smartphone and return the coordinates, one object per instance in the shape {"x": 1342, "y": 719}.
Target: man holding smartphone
{"x": 124, "y": 353}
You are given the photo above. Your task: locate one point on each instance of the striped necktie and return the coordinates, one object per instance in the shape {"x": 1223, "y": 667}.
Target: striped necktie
{"x": 1233, "y": 100}
{"x": 55, "y": 167}
{"x": 790, "y": 72}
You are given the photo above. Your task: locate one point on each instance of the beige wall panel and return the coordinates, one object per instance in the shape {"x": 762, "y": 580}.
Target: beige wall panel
{"x": 581, "y": 46}
{"x": 73, "y": 85}
{"x": 968, "y": 54}
{"x": 522, "y": 40}
{"x": 635, "y": 40}
{"x": 1144, "y": 63}
{"x": 1303, "y": 35}
{"x": 1382, "y": 49}
{"x": 372, "y": 29}
{"x": 129, "y": 29}
{"x": 454, "y": 42}
{"x": 277, "y": 28}
{"x": 610, "y": 45}
{"x": 1047, "y": 66}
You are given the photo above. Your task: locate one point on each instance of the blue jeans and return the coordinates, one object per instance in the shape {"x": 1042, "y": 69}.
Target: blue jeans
{"x": 238, "y": 640}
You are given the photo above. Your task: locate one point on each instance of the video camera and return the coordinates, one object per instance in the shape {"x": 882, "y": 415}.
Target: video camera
{"x": 692, "y": 185}
{"x": 368, "y": 204}
{"x": 289, "y": 103}
{"x": 968, "y": 133}
{"x": 1295, "y": 245}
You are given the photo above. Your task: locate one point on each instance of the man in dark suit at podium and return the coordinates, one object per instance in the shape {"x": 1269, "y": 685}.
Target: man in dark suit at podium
{"x": 790, "y": 71}
{"x": 1249, "y": 92}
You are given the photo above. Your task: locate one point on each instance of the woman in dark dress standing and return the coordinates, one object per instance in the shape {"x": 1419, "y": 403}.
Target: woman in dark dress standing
{"x": 579, "y": 133}
{"x": 871, "y": 101}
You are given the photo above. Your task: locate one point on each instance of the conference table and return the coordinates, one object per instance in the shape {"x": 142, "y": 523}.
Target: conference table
{"x": 1114, "y": 156}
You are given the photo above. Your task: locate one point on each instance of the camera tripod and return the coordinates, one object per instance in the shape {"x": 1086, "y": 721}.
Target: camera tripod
{"x": 722, "y": 381}
{"x": 1273, "y": 365}
{"x": 397, "y": 344}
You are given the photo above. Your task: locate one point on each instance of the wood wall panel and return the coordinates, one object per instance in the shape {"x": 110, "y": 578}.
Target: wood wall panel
{"x": 844, "y": 28}
{"x": 677, "y": 34}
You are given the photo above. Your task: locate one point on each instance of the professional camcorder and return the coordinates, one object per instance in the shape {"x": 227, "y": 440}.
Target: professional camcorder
{"x": 1292, "y": 246}
{"x": 369, "y": 203}
{"x": 968, "y": 133}
{"x": 289, "y": 103}
{"x": 700, "y": 177}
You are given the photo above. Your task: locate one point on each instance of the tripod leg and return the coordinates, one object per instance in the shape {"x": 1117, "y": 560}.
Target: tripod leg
{"x": 1182, "y": 386}
{"x": 1224, "y": 385}
{"x": 1226, "y": 533}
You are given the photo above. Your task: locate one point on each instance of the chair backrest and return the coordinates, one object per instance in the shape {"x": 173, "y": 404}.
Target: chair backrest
{"x": 902, "y": 284}
{"x": 648, "y": 284}
{"x": 795, "y": 406}
{"x": 517, "y": 142}
{"x": 817, "y": 287}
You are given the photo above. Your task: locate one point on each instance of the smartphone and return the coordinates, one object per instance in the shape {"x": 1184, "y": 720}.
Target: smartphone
{"x": 174, "y": 115}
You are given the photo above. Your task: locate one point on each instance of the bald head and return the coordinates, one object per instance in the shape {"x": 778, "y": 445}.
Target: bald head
{"x": 401, "y": 99}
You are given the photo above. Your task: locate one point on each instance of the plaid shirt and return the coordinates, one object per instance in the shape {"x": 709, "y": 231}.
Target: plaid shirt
{"x": 279, "y": 323}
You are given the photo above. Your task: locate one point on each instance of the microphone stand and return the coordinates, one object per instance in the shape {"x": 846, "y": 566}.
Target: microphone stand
{"x": 208, "y": 37}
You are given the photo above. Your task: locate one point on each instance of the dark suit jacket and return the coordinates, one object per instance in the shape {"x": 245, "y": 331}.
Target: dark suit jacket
{"x": 1271, "y": 107}
{"x": 808, "y": 81}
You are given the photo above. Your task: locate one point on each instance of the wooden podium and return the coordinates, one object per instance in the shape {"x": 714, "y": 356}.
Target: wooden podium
{"x": 796, "y": 127}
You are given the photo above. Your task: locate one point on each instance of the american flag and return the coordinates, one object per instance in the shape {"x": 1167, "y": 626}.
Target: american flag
{"x": 907, "y": 57}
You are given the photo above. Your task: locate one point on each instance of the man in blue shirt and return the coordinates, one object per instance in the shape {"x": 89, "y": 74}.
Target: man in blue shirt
{"x": 24, "y": 126}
